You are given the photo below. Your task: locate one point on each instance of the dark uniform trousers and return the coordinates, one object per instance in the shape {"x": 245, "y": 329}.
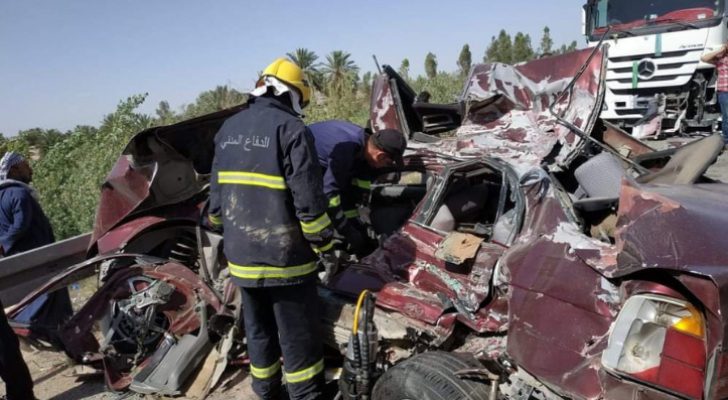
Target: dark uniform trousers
{"x": 284, "y": 319}
{"x": 13, "y": 371}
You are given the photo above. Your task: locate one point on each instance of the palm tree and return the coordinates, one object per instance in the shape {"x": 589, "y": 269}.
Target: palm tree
{"x": 339, "y": 69}
{"x": 306, "y": 59}
{"x": 164, "y": 112}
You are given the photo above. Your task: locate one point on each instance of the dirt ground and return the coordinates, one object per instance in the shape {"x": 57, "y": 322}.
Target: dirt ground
{"x": 56, "y": 379}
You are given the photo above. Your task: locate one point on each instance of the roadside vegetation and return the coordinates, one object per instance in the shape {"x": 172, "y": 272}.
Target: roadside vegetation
{"x": 70, "y": 166}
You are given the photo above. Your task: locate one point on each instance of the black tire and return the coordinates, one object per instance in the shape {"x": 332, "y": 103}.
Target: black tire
{"x": 431, "y": 376}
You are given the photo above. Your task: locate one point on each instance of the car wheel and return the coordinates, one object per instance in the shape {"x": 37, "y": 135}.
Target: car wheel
{"x": 431, "y": 376}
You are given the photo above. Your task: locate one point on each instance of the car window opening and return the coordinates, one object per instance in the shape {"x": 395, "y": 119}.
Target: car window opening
{"x": 473, "y": 202}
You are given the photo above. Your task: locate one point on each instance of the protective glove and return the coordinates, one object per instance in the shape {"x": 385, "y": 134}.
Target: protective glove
{"x": 330, "y": 263}
{"x": 208, "y": 223}
{"x": 357, "y": 239}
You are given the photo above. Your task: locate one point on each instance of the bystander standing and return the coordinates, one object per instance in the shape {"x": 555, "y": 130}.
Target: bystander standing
{"x": 719, "y": 58}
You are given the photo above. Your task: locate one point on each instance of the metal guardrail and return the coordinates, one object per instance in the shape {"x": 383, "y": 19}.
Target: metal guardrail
{"x": 22, "y": 273}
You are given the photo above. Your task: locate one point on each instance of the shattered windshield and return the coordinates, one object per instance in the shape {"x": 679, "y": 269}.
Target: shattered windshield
{"x": 630, "y": 16}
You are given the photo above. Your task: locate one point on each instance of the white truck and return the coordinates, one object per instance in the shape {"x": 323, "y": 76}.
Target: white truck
{"x": 656, "y": 83}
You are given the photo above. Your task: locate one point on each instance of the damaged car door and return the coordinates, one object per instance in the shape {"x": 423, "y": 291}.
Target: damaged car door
{"x": 442, "y": 260}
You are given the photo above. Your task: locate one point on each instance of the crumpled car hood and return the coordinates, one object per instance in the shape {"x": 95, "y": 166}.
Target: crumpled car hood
{"x": 507, "y": 109}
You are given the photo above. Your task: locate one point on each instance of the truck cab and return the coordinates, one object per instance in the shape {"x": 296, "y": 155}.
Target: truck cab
{"x": 656, "y": 83}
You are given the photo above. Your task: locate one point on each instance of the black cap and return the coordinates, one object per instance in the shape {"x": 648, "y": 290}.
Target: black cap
{"x": 392, "y": 142}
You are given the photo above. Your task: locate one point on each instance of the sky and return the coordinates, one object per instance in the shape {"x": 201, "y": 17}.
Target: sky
{"x": 67, "y": 63}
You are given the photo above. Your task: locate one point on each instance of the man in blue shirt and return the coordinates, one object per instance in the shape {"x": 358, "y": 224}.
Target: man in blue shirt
{"x": 348, "y": 155}
{"x": 23, "y": 226}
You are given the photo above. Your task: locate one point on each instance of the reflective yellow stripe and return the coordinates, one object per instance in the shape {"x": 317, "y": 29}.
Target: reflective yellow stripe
{"x": 351, "y": 213}
{"x": 265, "y": 272}
{"x": 361, "y": 183}
{"x": 305, "y": 374}
{"x": 265, "y": 373}
{"x": 335, "y": 201}
{"x": 250, "y": 182}
{"x": 214, "y": 219}
{"x": 252, "y": 179}
{"x": 325, "y": 248}
{"x": 316, "y": 225}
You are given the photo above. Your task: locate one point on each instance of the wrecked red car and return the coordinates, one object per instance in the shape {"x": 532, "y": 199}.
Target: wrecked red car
{"x": 528, "y": 250}
{"x": 164, "y": 305}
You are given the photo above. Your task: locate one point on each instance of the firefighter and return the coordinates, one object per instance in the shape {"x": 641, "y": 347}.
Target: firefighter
{"x": 266, "y": 192}
{"x": 349, "y": 154}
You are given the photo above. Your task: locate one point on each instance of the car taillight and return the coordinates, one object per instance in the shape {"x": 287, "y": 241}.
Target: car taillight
{"x": 660, "y": 341}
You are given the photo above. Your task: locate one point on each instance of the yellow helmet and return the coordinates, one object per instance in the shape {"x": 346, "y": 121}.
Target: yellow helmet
{"x": 291, "y": 74}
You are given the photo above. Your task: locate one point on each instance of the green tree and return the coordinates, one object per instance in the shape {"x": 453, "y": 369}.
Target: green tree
{"x": 500, "y": 49}
{"x": 38, "y": 141}
{"x": 31, "y": 143}
{"x": 568, "y": 49}
{"x": 519, "y": 49}
{"x": 220, "y": 98}
{"x": 346, "y": 104}
{"x": 340, "y": 71}
{"x": 15, "y": 144}
{"x": 71, "y": 173}
{"x": 404, "y": 69}
{"x": 465, "y": 60}
{"x": 491, "y": 52}
{"x": 444, "y": 88}
{"x": 165, "y": 115}
{"x": 505, "y": 47}
{"x": 308, "y": 61}
{"x": 547, "y": 43}
{"x": 366, "y": 84}
{"x": 522, "y": 49}
{"x": 430, "y": 65}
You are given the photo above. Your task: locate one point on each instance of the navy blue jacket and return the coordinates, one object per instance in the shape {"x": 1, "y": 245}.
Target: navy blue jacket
{"x": 340, "y": 147}
{"x": 266, "y": 190}
{"x": 23, "y": 225}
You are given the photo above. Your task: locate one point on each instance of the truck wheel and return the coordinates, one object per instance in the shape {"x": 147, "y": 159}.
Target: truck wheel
{"x": 430, "y": 376}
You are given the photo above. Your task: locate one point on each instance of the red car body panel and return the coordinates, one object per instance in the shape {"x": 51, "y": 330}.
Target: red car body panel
{"x": 129, "y": 191}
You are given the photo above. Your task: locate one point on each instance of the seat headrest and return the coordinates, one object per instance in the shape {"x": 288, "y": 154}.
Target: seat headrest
{"x": 601, "y": 176}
